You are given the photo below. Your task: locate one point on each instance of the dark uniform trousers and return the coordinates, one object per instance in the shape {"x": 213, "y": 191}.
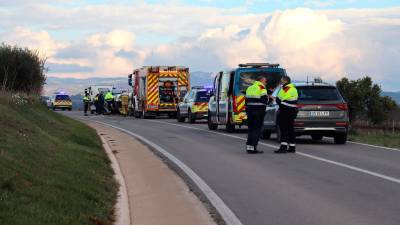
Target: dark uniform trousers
{"x": 255, "y": 122}
{"x": 286, "y": 119}
{"x": 86, "y": 106}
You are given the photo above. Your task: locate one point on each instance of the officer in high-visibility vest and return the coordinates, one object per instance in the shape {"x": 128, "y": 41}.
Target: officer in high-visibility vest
{"x": 86, "y": 101}
{"x": 110, "y": 101}
{"x": 124, "y": 103}
{"x": 256, "y": 102}
{"x": 96, "y": 103}
{"x": 287, "y": 101}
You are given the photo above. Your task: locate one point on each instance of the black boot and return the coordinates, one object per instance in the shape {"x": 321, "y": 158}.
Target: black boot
{"x": 292, "y": 149}
{"x": 282, "y": 149}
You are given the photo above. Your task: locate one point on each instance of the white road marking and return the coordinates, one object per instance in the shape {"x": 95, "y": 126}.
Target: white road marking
{"x": 374, "y": 146}
{"x": 382, "y": 176}
{"x": 229, "y": 217}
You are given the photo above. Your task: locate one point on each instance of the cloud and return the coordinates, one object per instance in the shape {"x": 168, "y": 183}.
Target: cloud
{"x": 111, "y": 39}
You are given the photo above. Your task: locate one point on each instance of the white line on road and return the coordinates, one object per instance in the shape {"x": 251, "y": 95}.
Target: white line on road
{"x": 392, "y": 179}
{"x": 229, "y": 217}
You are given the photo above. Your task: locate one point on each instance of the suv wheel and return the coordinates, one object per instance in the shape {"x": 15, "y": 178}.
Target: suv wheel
{"x": 316, "y": 137}
{"x": 266, "y": 134}
{"x": 179, "y": 117}
{"x": 340, "y": 139}
{"x": 211, "y": 125}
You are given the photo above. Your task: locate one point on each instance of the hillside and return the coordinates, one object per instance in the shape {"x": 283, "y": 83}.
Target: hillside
{"x": 394, "y": 95}
{"x": 53, "y": 169}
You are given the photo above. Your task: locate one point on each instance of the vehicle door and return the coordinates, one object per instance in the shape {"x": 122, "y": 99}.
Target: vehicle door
{"x": 183, "y": 106}
{"x": 223, "y": 98}
{"x": 212, "y": 104}
{"x": 271, "y": 112}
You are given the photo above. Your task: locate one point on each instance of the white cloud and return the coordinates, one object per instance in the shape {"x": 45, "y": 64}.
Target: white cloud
{"x": 326, "y": 43}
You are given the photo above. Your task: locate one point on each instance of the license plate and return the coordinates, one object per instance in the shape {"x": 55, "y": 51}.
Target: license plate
{"x": 319, "y": 113}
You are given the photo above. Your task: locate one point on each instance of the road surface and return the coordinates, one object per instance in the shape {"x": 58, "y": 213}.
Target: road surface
{"x": 322, "y": 184}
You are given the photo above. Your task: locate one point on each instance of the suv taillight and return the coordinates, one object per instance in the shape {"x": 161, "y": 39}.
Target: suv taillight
{"x": 342, "y": 106}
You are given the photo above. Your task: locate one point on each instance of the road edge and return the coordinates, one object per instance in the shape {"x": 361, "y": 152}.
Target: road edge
{"x": 223, "y": 215}
{"x": 122, "y": 209}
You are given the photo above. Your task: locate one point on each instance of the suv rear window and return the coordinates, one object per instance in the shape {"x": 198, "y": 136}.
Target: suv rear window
{"x": 62, "y": 98}
{"x": 203, "y": 96}
{"x": 313, "y": 93}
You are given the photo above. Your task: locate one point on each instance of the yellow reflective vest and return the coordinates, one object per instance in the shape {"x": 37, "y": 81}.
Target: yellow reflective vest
{"x": 287, "y": 95}
{"x": 109, "y": 96}
{"x": 256, "y": 94}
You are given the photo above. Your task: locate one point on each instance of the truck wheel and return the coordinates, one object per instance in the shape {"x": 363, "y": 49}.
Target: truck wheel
{"x": 211, "y": 125}
{"x": 191, "y": 117}
{"x": 340, "y": 139}
{"x": 316, "y": 137}
{"x": 266, "y": 134}
{"x": 179, "y": 117}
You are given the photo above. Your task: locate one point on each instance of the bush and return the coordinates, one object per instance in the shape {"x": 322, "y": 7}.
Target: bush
{"x": 21, "y": 70}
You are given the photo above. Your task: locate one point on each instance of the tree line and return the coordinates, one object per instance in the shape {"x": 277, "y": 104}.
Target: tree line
{"x": 365, "y": 100}
{"x": 21, "y": 70}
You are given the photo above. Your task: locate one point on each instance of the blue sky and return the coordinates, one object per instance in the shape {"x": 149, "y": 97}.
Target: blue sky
{"x": 326, "y": 38}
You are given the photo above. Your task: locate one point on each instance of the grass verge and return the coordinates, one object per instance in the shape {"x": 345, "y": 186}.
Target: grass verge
{"x": 380, "y": 138}
{"x": 53, "y": 169}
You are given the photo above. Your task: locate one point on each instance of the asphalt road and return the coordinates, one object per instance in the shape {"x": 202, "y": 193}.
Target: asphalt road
{"x": 323, "y": 184}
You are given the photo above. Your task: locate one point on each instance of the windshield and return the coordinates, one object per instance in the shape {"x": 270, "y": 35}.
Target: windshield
{"x": 248, "y": 78}
{"x": 313, "y": 93}
{"x": 62, "y": 98}
{"x": 104, "y": 90}
{"x": 203, "y": 96}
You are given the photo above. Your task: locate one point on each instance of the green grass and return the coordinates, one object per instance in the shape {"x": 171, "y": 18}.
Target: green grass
{"x": 380, "y": 138}
{"x": 52, "y": 169}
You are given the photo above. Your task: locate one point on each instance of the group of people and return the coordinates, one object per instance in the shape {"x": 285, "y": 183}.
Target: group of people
{"x": 257, "y": 99}
{"x": 103, "y": 99}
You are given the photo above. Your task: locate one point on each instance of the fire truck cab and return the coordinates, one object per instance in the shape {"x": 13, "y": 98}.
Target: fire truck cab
{"x": 158, "y": 90}
{"x": 227, "y": 105}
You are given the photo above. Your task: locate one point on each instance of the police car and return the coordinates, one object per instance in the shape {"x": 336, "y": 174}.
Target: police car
{"x": 60, "y": 100}
{"x": 194, "y": 105}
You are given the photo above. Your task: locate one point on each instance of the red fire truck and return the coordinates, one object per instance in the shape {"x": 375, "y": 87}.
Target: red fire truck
{"x": 158, "y": 90}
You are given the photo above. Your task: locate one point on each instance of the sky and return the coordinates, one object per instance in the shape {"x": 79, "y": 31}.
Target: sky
{"x": 330, "y": 39}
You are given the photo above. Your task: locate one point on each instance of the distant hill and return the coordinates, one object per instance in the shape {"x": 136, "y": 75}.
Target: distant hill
{"x": 75, "y": 86}
{"x": 394, "y": 95}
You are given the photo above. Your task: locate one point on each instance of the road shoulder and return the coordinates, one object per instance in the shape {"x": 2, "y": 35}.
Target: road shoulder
{"x": 156, "y": 194}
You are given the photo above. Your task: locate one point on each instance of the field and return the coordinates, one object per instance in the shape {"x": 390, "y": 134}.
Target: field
{"x": 53, "y": 169}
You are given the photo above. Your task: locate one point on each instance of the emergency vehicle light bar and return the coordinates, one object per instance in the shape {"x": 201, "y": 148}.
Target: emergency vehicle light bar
{"x": 258, "y": 65}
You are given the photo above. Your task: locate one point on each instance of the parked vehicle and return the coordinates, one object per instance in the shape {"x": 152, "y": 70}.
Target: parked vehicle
{"x": 194, "y": 105}
{"x": 62, "y": 101}
{"x": 158, "y": 90}
{"x": 322, "y": 113}
{"x": 227, "y": 105}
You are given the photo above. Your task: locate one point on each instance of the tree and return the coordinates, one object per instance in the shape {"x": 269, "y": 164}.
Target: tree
{"x": 21, "y": 70}
{"x": 365, "y": 100}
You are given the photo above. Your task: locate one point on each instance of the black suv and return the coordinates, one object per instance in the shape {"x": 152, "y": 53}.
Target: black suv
{"x": 322, "y": 112}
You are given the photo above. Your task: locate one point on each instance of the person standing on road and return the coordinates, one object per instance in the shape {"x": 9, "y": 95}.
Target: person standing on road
{"x": 86, "y": 101}
{"x": 110, "y": 101}
{"x": 256, "y": 102}
{"x": 124, "y": 103}
{"x": 287, "y": 101}
{"x": 101, "y": 103}
{"x": 96, "y": 103}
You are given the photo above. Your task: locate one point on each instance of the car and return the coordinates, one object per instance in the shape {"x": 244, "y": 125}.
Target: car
{"x": 322, "y": 113}
{"x": 227, "y": 105}
{"x": 61, "y": 101}
{"x": 194, "y": 105}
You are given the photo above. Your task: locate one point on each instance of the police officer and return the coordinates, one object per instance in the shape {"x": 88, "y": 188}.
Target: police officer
{"x": 256, "y": 102}
{"x": 86, "y": 101}
{"x": 287, "y": 100}
{"x": 110, "y": 101}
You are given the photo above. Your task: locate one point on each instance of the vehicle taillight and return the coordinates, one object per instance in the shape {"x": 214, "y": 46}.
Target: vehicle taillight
{"x": 342, "y": 106}
{"x": 299, "y": 106}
